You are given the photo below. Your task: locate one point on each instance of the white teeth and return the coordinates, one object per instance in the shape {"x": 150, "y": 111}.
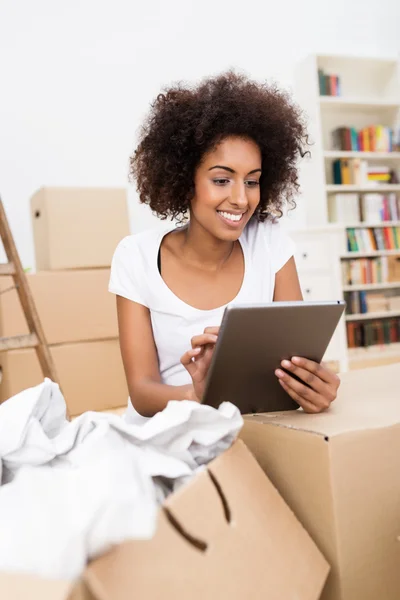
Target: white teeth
{"x": 230, "y": 216}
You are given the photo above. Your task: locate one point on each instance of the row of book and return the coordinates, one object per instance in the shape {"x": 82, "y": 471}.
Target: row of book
{"x": 368, "y": 239}
{"x": 372, "y": 333}
{"x": 362, "y": 302}
{"x": 364, "y": 208}
{"x": 362, "y": 271}
{"x": 354, "y": 171}
{"x": 376, "y": 138}
{"x": 329, "y": 85}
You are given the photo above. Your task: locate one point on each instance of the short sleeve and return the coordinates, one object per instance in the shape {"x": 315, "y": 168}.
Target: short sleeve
{"x": 281, "y": 245}
{"x": 126, "y": 278}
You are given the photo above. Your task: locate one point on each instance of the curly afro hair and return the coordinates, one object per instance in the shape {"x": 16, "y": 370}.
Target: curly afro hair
{"x": 186, "y": 122}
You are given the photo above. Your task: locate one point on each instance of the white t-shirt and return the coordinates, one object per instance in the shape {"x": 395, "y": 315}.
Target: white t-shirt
{"x": 135, "y": 276}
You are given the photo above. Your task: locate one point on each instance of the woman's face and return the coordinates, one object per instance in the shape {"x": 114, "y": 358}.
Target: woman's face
{"x": 227, "y": 188}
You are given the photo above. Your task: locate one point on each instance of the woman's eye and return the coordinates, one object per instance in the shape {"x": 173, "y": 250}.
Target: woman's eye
{"x": 221, "y": 181}
{"x": 252, "y": 183}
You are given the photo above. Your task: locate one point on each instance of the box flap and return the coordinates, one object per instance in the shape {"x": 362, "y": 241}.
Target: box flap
{"x": 227, "y": 534}
{"x": 367, "y": 399}
{"x": 29, "y": 587}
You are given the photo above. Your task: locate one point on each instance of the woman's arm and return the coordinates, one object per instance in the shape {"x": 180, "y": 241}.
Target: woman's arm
{"x": 139, "y": 355}
{"x": 287, "y": 285}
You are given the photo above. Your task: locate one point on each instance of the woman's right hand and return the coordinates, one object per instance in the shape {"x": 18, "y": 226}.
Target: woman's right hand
{"x": 197, "y": 360}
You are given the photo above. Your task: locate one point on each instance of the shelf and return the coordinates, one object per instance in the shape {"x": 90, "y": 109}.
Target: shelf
{"x": 371, "y": 253}
{"x": 359, "y": 103}
{"x": 333, "y": 154}
{"x": 375, "y": 352}
{"x": 380, "y": 61}
{"x": 339, "y": 189}
{"x": 371, "y": 286}
{"x": 369, "y": 225}
{"x": 385, "y": 314}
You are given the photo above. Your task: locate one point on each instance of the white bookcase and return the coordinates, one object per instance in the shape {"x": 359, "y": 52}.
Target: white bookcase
{"x": 370, "y": 95}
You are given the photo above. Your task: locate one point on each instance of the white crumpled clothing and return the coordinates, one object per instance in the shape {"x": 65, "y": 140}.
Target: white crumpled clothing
{"x": 70, "y": 490}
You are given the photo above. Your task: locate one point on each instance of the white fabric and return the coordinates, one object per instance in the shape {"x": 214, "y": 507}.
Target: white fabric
{"x": 135, "y": 275}
{"x": 70, "y": 490}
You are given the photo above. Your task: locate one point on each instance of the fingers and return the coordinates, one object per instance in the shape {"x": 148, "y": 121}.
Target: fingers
{"x": 320, "y": 385}
{"x": 187, "y": 360}
{"x": 316, "y": 369}
{"x": 308, "y": 398}
{"x": 306, "y": 405}
{"x": 213, "y": 330}
{"x": 309, "y": 378}
{"x": 203, "y": 339}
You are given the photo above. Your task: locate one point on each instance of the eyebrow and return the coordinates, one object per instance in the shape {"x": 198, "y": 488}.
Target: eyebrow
{"x": 231, "y": 170}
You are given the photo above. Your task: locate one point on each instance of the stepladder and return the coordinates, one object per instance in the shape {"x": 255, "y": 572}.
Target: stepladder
{"x": 35, "y": 338}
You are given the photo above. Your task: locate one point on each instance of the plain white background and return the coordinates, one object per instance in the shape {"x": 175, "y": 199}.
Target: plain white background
{"x": 78, "y": 76}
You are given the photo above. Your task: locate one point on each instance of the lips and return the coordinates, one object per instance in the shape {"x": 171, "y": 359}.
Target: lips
{"x": 231, "y": 219}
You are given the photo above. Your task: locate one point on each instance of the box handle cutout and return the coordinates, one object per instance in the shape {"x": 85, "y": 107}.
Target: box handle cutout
{"x": 224, "y": 501}
{"x": 198, "y": 544}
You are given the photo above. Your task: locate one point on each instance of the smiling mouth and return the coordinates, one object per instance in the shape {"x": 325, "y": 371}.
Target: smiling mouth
{"x": 230, "y": 216}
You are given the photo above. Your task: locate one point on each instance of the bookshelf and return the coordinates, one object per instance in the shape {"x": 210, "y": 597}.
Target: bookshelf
{"x": 381, "y": 156}
{"x": 373, "y": 315}
{"x": 338, "y": 188}
{"x": 361, "y": 287}
{"x": 360, "y": 104}
{"x": 351, "y": 185}
{"x": 369, "y": 254}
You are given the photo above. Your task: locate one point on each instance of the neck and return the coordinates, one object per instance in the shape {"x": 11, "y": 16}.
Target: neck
{"x": 203, "y": 249}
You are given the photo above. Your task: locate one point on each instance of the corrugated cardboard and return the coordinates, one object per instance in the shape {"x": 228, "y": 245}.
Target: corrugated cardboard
{"x": 91, "y": 374}
{"x": 340, "y": 473}
{"x": 28, "y": 587}
{"x": 73, "y": 306}
{"x": 227, "y": 535}
{"x": 77, "y": 228}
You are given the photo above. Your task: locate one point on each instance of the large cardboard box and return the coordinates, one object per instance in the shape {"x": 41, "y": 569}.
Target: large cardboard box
{"x": 15, "y": 586}
{"x": 91, "y": 374}
{"x": 340, "y": 473}
{"x": 75, "y": 228}
{"x": 227, "y": 535}
{"x": 73, "y": 306}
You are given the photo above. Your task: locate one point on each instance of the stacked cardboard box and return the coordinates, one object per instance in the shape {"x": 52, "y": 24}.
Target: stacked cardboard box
{"x": 75, "y": 232}
{"x": 339, "y": 472}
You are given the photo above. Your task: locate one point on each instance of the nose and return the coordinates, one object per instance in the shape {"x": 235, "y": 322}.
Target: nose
{"x": 238, "y": 197}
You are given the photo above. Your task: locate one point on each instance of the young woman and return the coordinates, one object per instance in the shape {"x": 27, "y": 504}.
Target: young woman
{"x": 221, "y": 159}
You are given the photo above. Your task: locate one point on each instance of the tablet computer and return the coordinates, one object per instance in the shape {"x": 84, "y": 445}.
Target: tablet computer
{"x": 254, "y": 339}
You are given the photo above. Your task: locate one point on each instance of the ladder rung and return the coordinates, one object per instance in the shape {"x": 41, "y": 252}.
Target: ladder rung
{"x": 18, "y": 342}
{"x": 7, "y": 268}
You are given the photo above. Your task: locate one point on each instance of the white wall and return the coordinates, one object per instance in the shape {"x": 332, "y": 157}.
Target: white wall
{"x": 77, "y": 76}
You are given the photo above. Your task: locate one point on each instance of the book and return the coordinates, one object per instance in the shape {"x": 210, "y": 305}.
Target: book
{"x": 373, "y": 332}
{"x": 376, "y": 138}
{"x": 356, "y": 175}
{"x": 371, "y": 207}
{"x": 332, "y": 81}
{"x": 345, "y": 171}
{"x": 329, "y": 85}
{"x": 321, "y": 81}
{"x": 343, "y": 208}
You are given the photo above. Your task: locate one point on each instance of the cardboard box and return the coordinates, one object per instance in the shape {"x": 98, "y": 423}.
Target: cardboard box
{"x": 91, "y": 374}
{"x": 73, "y": 306}
{"x": 227, "y": 535}
{"x": 77, "y": 228}
{"x": 340, "y": 473}
{"x": 28, "y": 587}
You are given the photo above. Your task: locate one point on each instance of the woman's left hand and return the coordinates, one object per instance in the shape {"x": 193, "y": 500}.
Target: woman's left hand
{"x": 321, "y": 388}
